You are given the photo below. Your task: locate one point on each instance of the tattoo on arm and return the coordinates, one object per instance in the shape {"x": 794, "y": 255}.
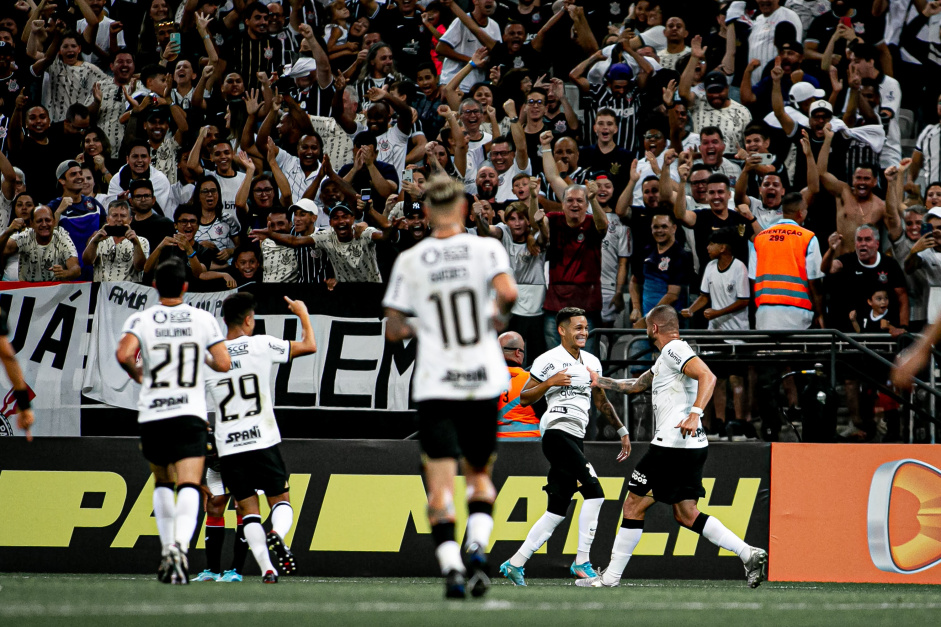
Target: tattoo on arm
{"x": 603, "y": 405}
{"x": 627, "y": 386}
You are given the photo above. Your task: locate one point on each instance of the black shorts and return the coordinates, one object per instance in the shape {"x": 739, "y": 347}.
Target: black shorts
{"x": 569, "y": 469}
{"x": 670, "y": 475}
{"x": 467, "y": 429}
{"x": 169, "y": 440}
{"x": 243, "y": 473}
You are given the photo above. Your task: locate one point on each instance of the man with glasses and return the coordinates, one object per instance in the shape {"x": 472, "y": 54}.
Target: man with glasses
{"x": 536, "y": 103}
{"x": 515, "y": 423}
{"x": 116, "y": 257}
{"x": 477, "y": 140}
{"x": 221, "y": 155}
{"x": 146, "y": 222}
{"x": 81, "y": 216}
{"x": 139, "y": 167}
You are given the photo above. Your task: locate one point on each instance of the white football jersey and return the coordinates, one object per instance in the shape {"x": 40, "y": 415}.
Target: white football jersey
{"x": 673, "y": 396}
{"x": 447, "y": 286}
{"x": 173, "y": 344}
{"x": 243, "y": 397}
{"x": 569, "y": 406}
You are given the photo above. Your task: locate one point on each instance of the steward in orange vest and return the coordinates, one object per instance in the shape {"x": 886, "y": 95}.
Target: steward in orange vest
{"x": 514, "y": 422}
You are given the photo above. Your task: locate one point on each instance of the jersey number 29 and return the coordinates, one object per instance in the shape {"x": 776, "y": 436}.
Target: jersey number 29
{"x": 245, "y": 393}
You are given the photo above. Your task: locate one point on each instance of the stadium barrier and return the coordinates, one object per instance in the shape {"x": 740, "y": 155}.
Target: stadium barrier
{"x": 85, "y": 505}
{"x": 855, "y": 513}
{"x": 66, "y": 334}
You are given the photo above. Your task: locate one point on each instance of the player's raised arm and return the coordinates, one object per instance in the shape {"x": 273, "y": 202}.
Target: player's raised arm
{"x": 20, "y": 390}
{"x": 624, "y": 386}
{"x": 219, "y": 360}
{"x": 397, "y": 327}
{"x": 128, "y": 346}
{"x": 308, "y": 343}
{"x": 604, "y": 406}
{"x": 535, "y": 390}
{"x": 697, "y": 369}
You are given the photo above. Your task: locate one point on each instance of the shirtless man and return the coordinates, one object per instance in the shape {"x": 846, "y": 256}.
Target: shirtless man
{"x": 855, "y": 205}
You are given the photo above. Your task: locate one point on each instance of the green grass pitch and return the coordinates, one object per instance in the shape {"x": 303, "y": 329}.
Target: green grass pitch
{"x": 75, "y": 600}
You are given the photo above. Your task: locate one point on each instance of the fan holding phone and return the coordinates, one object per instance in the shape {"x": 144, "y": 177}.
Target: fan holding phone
{"x": 115, "y": 251}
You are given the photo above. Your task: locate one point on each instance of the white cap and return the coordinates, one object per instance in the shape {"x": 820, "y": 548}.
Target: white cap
{"x": 804, "y": 91}
{"x": 306, "y": 204}
{"x": 934, "y": 212}
{"x": 735, "y": 11}
{"x": 820, "y": 104}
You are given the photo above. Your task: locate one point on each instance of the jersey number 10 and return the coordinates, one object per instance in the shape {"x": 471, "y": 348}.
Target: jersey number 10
{"x": 456, "y": 317}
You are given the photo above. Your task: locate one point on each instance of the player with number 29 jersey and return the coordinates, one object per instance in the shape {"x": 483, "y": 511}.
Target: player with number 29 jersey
{"x": 245, "y": 419}
{"x": 445, "y": 284}
{"x": 173, "y": 344}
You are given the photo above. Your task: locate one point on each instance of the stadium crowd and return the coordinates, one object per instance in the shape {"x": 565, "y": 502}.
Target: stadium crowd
{"x": 626, "y": 154}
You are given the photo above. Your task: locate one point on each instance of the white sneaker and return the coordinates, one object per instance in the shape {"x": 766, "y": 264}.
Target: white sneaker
{"x": 596, "y": 582}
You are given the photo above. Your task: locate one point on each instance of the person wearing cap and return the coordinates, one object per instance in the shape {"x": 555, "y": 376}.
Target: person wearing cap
{"x": 352, "y": 250}
{"x": 789, "y": 59}
{"x": 764, "y": 29}
{"x": 926, "y": 252}
{"x": 147, "y": 223}
{"x": 312, "y": 263}
{"x": 46, "y": 252}
{"x": 81, "y": 216}
{"x": 793, "y": 111}
{"x": 619, "y": 92}
{"x": 413, "y": 229}
{"x": 714, "y": 107}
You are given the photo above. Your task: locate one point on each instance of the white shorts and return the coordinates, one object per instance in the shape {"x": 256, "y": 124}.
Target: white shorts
{"x": 214, "y": 482}
{"x": 783, "y": 318}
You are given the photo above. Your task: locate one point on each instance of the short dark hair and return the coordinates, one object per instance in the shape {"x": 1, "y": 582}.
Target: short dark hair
{"x": 608, "y": 111}
{"x": 427, "y": 65}
{"x": 726, "y": 236}
{"x": 718, "y": 177}
{"x": 866, "y": 165}
{"x": 366, "y": 138}
{"x": 664, "y": 316}
{"x": 665, "y": 209}
{"x": 254, "y": 7}
{"x": 170, "y": 278}
{"x": 186, "y": 209}
{"x": 711, "y": 130}
{"x": 756, "y": 129}
{"x": 236, "y": 307}
{"x": 539, "y": 90}
{"x": 791, "y": 203}
{"x": 76, "y": 110}
{"x": 649, "y": 177}
{"x": 504, "y": 139}
{"x": 150, "y": 71}
{"x": 406, "y": 88}
{"x": 566, "y": 314}
{"x": 699, "y": 167}
{"x": 138, "y": 143}
{"x": 866, "y": 51}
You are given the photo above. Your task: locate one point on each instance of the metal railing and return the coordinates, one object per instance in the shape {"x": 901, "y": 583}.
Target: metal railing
{"x": 867, "y": 356}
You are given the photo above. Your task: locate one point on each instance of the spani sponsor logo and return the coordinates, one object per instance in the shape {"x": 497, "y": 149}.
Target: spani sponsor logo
{"x": 169, "y": 403}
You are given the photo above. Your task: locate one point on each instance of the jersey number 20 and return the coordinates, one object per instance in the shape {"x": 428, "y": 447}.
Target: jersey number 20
{"x": 182, "y": 379}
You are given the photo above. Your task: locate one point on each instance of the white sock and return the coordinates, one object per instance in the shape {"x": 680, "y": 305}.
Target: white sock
{"x": 282, "y": 517}
{"x": 624, "y": 545}
{"x": 164, "y": 512}
{"x": 479, "y": 527}
{"x": 187, "y": 511}
{"x": 587, "y": 524}
{"x": 255, "y": 534}
{"x": 449, "y": 557}
{"x": 537, "y": 536}
{"x": 719, "y": 534}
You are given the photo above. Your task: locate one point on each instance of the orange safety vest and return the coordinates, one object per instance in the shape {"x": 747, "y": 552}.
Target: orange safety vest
{"x": 781, "y": 269}
{"x": 515, "y": 422}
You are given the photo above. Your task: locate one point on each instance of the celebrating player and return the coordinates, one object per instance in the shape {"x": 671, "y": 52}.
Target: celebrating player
{"x": 246, "y": 431}
{"x": 671, "y": 471}
{"x": 563, "y": 375}
{"x": 173, "y": 339}
{"x": 445, "y": 283}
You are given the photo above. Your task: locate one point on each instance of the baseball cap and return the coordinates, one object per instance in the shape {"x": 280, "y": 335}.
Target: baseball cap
{"x": 7, "y": 48}
{"x": 65, "y": 166}
{"x": 157, "y": 113}
{"x": 735, "y": 11}
{"x": 306, "y": 205}
{"x": 934, "y": 212}
{"x": 803, "y": 91}
{"x": 792, "y": 45}
{"x": 412, "y": 209}
{"x": 341, "y": 207}
{"x": 619, "y": 72}
{"x": 715, "y": 81}
{"x": 820, "y": 104}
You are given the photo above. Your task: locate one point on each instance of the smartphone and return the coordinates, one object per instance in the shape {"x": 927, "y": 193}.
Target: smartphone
{"x": 115, "y": 231}
{"x": 365, "y": 195}
{"x": 406, "y": 176}
{"x": 926, "y": 228}
{"x": 846, "y": 21}
{"x": 175, "y": 38}
{"x": 766, "y": 158}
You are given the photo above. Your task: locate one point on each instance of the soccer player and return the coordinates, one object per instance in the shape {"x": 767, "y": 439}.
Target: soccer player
{"x": 671, "y": 471}
{"x": 563, "y": 375}
{"x": 24, "y": 415}
{"x": 173, "y": 339}
{"x": 246, "y": 431}
{"x": 452, "y": 285}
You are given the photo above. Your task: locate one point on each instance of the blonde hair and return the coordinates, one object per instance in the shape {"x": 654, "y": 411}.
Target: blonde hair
{"x": 442, "y": 193}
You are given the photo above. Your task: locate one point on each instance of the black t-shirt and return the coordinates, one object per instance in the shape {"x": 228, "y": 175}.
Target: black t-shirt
{"x": 525, "y": 57}
{"x": 852, "y": 287}
{"x": 707, "y": 221}
{"x": 10, "y": 87}
{"x": 38, "y": 162}
{"x": 64, "y": 145}
{"x": 362, "y": 180}
{"x": 508, "y": 12}
{"x": 617, "y": 163}
{"x": 409, "y": 38}
{"x": 153, "y": 229}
